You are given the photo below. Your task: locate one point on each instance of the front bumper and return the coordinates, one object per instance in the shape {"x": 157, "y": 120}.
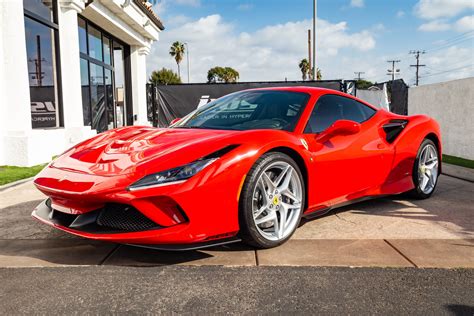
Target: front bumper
{"x": 200, "y": 210}
{"x": 87, "y": 225}
{"x": 88, "y": 228}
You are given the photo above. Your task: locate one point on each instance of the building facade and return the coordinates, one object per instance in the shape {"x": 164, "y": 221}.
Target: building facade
{"x": 68, "y": 70}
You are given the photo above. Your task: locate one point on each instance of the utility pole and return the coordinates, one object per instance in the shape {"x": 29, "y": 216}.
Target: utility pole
{"x": 309, "y": 56}
{"x": 417, "y": 54}
{"x": 358, "y": 73}
{"x": 315, "y": 64}
{"x": 38, "y": 74}
{"x": 187, "y": 55}
{"x": 392, "y": 72}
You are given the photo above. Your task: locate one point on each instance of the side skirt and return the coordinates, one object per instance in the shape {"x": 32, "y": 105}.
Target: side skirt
{"x": 324, "y": 211}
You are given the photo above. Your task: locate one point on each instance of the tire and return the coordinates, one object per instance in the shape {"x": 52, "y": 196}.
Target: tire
{"x": 425, "y": 169}
{"x": 264, "y": 201}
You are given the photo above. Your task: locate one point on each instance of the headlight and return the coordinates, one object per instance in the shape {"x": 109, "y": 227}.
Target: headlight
{"x": 178, "y": 174}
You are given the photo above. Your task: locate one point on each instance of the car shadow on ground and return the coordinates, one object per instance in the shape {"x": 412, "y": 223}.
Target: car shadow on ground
{"x": 23, "y": 241}
{"x": 27, "y": 242}
{"x": 450, "y": 205}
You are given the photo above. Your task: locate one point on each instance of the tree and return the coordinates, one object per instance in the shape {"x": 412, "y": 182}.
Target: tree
{"x": 164, "y": 76}
{"x": 177, "y": 51}
{"x": 363, "y": 84}
{"x": 222, "y": 74}
{"x": 304, "y": 67}
{"x": 319, "y": 75}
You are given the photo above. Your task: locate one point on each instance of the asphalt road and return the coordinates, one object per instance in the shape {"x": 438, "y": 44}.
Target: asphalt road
{"x": 262, "y": 290}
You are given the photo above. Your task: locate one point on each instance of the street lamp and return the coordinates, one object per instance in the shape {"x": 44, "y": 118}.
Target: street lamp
{"x": 187, "y": 54}
{"x": 315, "y": 64}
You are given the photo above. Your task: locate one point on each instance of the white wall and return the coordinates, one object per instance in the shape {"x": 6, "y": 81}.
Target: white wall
{"x": 452, "y": 105}
{"x": 15, "y": 116}
{"x": 19, "y": 143}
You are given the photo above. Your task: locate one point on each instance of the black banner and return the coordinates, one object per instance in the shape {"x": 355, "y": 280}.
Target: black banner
{"x": 167, "y": 102}
{"x": 398, "y": 95}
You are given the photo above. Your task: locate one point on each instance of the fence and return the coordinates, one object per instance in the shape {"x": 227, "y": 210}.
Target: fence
{"x": 167, "y": 102}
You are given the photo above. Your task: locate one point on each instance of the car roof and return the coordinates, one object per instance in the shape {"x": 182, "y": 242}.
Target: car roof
{"x": 299, "y": 89}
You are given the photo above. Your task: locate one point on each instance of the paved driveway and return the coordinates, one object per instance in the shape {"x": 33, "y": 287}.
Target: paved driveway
{"x": 394, "y": 232}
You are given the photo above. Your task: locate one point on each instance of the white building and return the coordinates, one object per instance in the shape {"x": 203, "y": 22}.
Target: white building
{"x": 70, "y": 69}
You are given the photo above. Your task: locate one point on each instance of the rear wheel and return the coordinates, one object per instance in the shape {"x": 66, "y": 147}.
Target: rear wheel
{"x": 425, "y": 170}
{"x": 271, "y": 201}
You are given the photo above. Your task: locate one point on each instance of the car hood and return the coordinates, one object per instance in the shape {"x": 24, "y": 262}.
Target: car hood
{"x": 135, "y": 149}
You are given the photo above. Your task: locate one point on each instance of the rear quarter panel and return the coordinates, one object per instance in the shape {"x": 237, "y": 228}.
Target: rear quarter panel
{"x": 406, "y": 146}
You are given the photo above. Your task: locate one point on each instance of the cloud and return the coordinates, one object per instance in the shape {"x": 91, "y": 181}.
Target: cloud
{"x": 435, "y": 9}
{"x": 449, "y": 64}
{"x": 176, "y": 20}
{"x": 357, "y": 3}
{"x": 193, "y": 3}
{"x": 435, "y": 26}
{"x": 269, "y": 53}
{"x": 400, "y": 14}
{"x": 162, "y": 5}
{"x": 244, "y": 7}
{"x": 465, "y": 24}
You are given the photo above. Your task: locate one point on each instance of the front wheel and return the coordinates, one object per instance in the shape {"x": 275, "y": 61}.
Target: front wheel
{"x": 425, "y": 170}
{"x": 271, "y": 201}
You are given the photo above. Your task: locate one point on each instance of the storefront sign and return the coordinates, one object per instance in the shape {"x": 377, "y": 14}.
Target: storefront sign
{"x": 43, "y": 108}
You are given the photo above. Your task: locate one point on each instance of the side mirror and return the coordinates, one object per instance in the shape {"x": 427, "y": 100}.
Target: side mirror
{"x": 339, "y": 128}
{"x": 176, "y": 120}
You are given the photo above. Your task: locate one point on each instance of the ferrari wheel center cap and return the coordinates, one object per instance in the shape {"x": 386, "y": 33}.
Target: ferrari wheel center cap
{"x": 276, "y": 200}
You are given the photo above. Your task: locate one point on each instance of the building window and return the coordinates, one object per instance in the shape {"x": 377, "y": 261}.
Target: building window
{"x": 42, "y": 47}
{"x": 103, "y": 77}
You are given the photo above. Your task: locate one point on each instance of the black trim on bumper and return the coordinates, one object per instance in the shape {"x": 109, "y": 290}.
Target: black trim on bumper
{"x": 94, "y": 221}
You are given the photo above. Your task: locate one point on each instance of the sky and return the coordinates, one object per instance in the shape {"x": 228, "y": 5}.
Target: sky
{"x": 265, "y": 39}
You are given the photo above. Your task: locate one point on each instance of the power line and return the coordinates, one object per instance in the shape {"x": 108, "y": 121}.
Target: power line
{"x": 448, "y": 66}
{"x": 417, "y": 56}
{"x": 452, "y": 41}
{"x": 451, "y": 44}
{"x": 446, "y": 71}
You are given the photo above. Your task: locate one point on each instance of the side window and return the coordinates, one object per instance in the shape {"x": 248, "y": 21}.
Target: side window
{"x": 357, "y": 112}
{"x": 327, "y": 110}
{"x": 368, "y": 111}
{"x": 331, "y": 108}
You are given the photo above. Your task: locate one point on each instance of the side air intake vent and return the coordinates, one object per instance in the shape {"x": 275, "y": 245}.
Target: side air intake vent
{"x": 393, "y": 128}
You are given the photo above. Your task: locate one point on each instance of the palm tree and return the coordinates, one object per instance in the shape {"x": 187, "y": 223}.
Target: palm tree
{"x": 177, "y": 51}
{"x": 319, "y": 75}
{"x": 304, "y": 67}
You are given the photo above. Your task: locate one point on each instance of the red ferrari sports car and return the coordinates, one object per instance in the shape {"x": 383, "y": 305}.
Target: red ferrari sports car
{"x": 247, "y": 166}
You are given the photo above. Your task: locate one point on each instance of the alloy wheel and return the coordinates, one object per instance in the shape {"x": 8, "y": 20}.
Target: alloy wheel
{"x": 277, "y": 201}
{"x": 428, "y": 169}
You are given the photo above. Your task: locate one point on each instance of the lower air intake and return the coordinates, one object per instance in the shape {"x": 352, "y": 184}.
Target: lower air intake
{"x": 124, "y": 217}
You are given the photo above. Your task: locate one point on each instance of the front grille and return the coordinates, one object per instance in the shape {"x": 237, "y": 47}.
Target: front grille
{"x": 125, "y": 218}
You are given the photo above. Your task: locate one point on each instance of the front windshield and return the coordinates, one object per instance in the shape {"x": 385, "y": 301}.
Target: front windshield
{"x": 246, "y": 110}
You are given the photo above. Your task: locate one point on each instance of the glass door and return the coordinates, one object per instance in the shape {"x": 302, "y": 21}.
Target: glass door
{"x": 119, "y": 83}
{"x": 103, "y": 78}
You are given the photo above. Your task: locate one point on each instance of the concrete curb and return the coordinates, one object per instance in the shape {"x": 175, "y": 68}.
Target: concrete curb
{"x": 458, "y": 172}
{"x": 14, "y": 184}
{"x": 395, "y": 253}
